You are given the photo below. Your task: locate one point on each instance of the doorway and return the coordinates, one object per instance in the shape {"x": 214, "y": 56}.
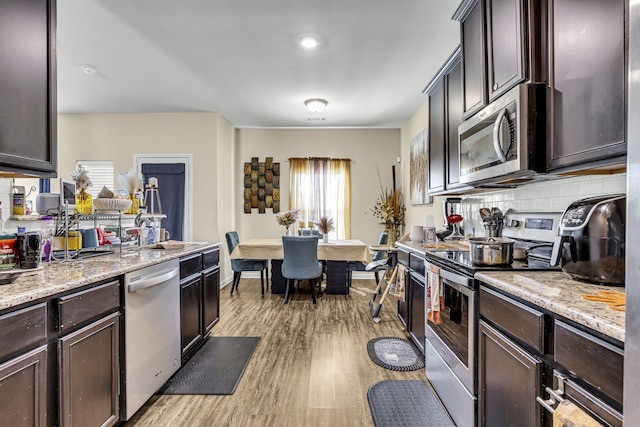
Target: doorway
{"x": 175, "y": 184}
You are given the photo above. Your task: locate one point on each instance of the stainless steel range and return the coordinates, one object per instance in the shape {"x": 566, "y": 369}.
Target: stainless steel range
{"x": 451, "y": 337}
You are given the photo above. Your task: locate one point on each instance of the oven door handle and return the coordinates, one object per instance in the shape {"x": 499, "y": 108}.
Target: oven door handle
{"x": 463, "y": 281}
{"x": 497, "y": 144}
{"x": 152, "y": 280}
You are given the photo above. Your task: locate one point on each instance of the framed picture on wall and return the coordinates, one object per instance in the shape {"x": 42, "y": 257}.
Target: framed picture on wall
{"x": 419, "y": 170}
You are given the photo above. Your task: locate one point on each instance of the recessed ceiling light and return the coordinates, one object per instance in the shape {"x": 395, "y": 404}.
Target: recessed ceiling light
{"x": 89, "y": 69}
{"x": 309, "y": 42}
{"x": 316, "y": 105}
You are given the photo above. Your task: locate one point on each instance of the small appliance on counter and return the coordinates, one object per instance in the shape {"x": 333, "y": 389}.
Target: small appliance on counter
{"x": 47, "y": 203}
{"x": 590, "y": 245}
{"x": 452, "y": 206}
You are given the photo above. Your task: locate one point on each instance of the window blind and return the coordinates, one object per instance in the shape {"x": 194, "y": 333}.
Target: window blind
{"x": 101, "y": 174}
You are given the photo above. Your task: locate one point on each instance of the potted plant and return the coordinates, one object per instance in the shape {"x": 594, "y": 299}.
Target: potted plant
{"x": 390, "y": 209}
{"x": 325, "y": 225}
{"x": 287, "y": 218}
{"x": 84, "y": 203}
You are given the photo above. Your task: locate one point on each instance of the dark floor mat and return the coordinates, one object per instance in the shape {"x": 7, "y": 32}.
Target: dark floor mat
{"x": 215, "y": 369}
{"x": 395, "y": 354}
{"x": 406, "y": 403}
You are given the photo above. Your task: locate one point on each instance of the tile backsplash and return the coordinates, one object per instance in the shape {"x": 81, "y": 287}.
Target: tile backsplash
{"x": 546, "y": 196}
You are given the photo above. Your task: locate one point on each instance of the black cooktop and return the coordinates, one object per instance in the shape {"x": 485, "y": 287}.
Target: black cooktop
{"x": 461, "y": 261}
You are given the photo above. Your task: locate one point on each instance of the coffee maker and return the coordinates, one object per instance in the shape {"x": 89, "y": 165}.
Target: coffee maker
{"x": 451, "y": 206}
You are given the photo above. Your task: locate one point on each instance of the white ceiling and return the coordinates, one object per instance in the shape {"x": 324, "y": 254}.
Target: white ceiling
{"x": 240, "y": 58}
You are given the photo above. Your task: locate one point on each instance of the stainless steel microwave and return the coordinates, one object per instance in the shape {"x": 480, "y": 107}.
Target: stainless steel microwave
{"x": 505, "y": 141}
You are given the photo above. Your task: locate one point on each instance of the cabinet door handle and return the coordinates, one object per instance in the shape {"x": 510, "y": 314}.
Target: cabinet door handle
{"x": 497, "y": 145}
{"x": 495, "y": 87}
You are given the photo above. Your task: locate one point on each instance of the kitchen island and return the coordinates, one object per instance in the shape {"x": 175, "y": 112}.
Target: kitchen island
{"x": 70, "y": 331}
{"x": 58, "y": 277}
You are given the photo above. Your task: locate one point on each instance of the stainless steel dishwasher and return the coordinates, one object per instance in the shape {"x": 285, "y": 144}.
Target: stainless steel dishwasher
{"x": 152, "y": 331}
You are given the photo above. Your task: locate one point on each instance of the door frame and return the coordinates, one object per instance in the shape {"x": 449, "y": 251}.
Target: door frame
{"x": 187, "y": 160}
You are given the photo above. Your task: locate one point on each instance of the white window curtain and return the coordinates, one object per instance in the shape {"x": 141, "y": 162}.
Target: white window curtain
{"x": 100, "y": 173}
{"x": 322, "y": 187}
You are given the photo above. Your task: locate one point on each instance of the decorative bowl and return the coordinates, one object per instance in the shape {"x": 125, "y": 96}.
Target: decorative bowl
{"x": 111, "y": 205}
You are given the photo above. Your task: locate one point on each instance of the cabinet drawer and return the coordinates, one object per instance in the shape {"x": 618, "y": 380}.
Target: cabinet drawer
{"x": 210, "y": 258}
{"x": 81, "y": 306}
{"x": 416, "y": 263}
{"x": 593, "y": 360}
{"x": 403, "y": 258}
{"x": 22, "y": 328}
{"x": 190, "y": 265}
{"x": 522, "y": 322}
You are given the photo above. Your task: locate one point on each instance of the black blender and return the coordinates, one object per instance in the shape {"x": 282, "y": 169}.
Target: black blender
{"x": 452, "y": 210}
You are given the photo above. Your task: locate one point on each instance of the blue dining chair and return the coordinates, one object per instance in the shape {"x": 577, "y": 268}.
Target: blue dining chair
{"x": 240, "y": 265}
{"x": 377, "y": 256}
{"x": 301, "y": 262}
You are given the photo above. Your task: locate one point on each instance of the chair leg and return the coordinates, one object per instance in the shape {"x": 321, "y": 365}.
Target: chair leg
{"x": 286, "y": 292}
{"x": 262, "y": 281}
{"x": 236, "y": 281}
{"x": 313, "y": 290}
{"x": 375, "y": 273}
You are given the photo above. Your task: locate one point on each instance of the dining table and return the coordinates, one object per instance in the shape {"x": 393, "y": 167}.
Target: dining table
{"x": 333, "y": 250}
{"x": 336, "y": 254}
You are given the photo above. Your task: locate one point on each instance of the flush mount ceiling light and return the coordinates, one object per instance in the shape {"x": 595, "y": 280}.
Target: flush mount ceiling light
{"x": 89, "y": 69}
{"x": 316, "y": 105}
{"x": 308, "y": 42}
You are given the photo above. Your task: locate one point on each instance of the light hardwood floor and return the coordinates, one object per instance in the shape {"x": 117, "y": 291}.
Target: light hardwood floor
{"x": 310, "y": 368}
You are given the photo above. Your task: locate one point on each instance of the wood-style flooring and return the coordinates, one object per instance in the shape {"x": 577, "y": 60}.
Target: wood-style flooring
{"x": 311, "y": 367}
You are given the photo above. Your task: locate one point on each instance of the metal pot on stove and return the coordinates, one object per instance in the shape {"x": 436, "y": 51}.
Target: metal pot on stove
{"x": 491, "y": 250}
{"x": 590, "y": 245}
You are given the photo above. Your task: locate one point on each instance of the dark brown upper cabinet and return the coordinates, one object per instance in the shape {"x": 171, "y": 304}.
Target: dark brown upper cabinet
{"x": 28, "y": 86}
{"x": 445, "y": 115}
{"x": 586, "y": 93}
{"x": 472, "y": 41}
{"x": 499, "y": 48}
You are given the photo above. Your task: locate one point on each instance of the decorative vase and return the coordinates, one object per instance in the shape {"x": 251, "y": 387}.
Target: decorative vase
{"x": 325, "y": 237}
{"x": 287, "y": 232}
{"x": 135, "y": 205}
{"x": 84, "y": 203}
{"x": 392, "y": 232}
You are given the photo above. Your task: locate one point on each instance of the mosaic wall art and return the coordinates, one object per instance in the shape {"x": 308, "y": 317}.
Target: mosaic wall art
{"x": 261, "y": 185}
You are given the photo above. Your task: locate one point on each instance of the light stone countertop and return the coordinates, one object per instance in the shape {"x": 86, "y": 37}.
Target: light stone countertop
{"x": 60, "y": 277}
{"x": 556, "y": 292}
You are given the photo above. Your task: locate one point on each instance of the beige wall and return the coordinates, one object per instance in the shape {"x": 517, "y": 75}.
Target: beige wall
{"x": 118, "y": 137}
{"x": 369, "y": 149}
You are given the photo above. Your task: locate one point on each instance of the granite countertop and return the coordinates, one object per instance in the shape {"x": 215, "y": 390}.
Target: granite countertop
{"x": 556, "y": 292}
{"x": 62, "y": 276}
{"x": 420, "y": 247}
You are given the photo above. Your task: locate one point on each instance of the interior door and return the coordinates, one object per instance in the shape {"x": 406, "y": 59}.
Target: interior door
{"x": 139, "y": 160}
{"x": 171, "y": 183}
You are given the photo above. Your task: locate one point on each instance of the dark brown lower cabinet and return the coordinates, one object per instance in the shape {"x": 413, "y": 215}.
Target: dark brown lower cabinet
{"x": 416, "y": 327}
{"x": 210, "y": 298}
{"x": 89, "y": 373}
{"x": 23, "y": 389}
{"x": 199, "y": 298}
{"x": 403, "y": 306}
{"x": 510, "y": 379}
{"x": 190, "y": 320}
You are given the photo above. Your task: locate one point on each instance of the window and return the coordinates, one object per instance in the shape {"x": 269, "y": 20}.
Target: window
{"x": 101, "y": 174}
{"x": 322, "y": 187}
